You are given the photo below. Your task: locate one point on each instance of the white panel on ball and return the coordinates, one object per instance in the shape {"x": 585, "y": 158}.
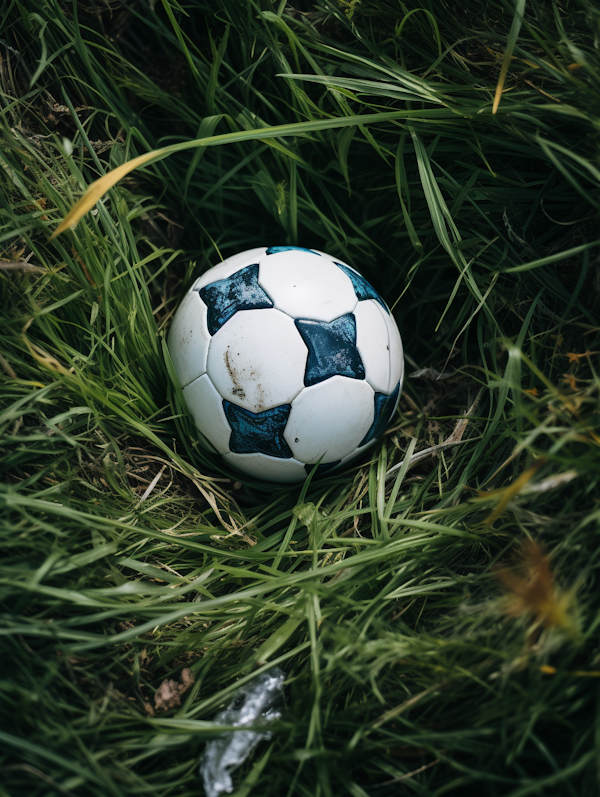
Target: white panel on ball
{"x": 330, "y": 419}
{"x": 230, "y": 266}
{"x": 372, "y": 342}
{"x": 396, "y": 354}
{"x": 189, "y": 339}
{"x": 206, "y": 407}
{"x": 257, "y": 359}
{"x": 306, "y": 285}
{"x": 263, "y": 466}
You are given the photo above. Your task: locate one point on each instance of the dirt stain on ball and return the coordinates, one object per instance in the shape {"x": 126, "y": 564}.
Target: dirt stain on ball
{"x": 238, "y": 376}
{"x": 238, "y": 390}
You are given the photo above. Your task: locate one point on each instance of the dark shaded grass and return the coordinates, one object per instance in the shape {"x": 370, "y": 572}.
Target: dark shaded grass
{"x": 376, "y": 596}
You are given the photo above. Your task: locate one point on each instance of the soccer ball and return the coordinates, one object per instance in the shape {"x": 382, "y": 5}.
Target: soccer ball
{"x": 287, "y": 357}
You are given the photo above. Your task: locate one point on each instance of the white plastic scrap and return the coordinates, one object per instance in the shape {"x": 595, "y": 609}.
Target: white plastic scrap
{"x": 254, "y": 703}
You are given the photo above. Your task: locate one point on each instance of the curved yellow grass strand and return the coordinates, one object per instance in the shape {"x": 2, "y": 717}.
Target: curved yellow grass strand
{"x": 96, "y": 190}
{"x": 501, "y": 79}
{"x": 508, "y": 493}
{"x": 510, "y": 46}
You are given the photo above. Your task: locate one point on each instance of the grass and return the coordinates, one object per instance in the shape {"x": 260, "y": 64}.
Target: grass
{"x": 435, "y": 609}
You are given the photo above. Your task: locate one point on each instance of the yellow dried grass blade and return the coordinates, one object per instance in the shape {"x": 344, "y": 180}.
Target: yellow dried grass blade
{"x": 510, "y": 46}
{"x": 44, "y": 359}
{"x": 96, "y": 190}
{"x": 508, "y": 493}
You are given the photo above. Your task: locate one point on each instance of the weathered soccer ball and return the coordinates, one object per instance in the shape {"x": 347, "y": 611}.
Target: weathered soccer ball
{"x": 287, "y": 357}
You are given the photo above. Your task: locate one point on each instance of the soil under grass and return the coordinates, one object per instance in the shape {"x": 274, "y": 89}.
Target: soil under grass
{"x": 435, "y": 609}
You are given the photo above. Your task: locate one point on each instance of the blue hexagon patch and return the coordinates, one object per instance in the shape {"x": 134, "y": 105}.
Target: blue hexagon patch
{"x": 225, "y": 297}
{"x": 274, "y": 250}
{"x": 362, "y": 288}
{"x": 331, "y": 349}
{"x": 258, "y": 432}
{"x": 384, "y": 409}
